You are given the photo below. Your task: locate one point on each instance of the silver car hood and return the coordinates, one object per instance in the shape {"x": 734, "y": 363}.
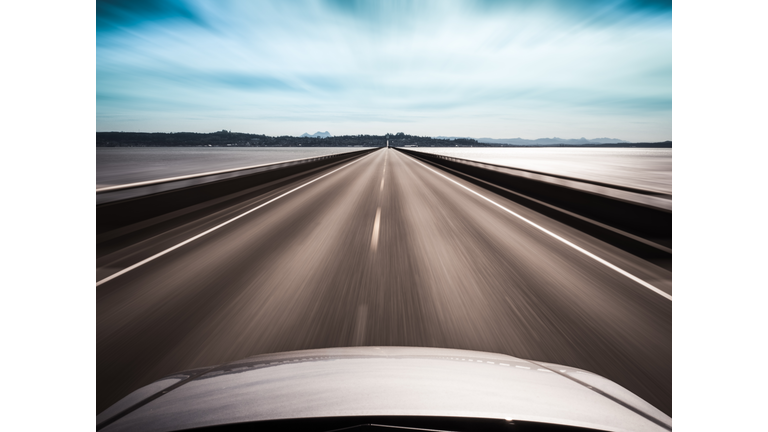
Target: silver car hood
{"x": 383, "y": 381}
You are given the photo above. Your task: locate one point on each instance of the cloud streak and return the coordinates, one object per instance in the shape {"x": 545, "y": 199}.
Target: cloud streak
{"x": 498, "y": 69}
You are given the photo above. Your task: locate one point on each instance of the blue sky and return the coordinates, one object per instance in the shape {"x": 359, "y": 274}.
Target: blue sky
{"x": 498, "y": 69}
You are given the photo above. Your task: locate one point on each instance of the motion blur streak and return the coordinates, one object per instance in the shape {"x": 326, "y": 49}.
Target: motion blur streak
{"x": 596, "y": 258}
{"x": 158, "y": 255}
{"x": 503, "y": 69}
{"x": 451, "y": 270}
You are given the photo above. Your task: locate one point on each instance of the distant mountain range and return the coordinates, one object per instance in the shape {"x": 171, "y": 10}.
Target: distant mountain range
{"x": 317, "y": 135}
{"x": 541, "y": 141}
{"x": 509, "y": 141}
{"x": 237, "y": 139}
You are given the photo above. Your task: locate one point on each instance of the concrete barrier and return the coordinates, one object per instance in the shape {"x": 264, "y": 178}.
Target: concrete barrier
{"x": 634, "y": 220}
{"x": 122, "y": 209}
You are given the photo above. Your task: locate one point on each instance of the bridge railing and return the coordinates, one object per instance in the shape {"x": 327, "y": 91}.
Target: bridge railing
{"x": 636, "y": 220}
{"x": 126, "y": 208}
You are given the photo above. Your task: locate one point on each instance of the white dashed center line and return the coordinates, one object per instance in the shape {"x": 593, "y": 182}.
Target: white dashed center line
{"x": 375, "y": 234}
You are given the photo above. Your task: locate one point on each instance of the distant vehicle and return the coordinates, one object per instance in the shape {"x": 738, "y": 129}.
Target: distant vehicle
{"x": 383, "y": 388}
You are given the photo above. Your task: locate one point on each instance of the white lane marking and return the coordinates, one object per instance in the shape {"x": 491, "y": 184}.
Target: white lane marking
{"x": 170, "y": 249}
{"x": 550, "y": 233}
{"x": 375, "y": 234}
{"x": 522, "y": 367}
{"x": 204, "y": 174}
{"x": 381, "y": 188}
{"x": 503, "y": 364}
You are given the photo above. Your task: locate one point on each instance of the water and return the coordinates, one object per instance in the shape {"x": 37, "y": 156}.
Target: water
{"x": 116, "y": 166}
{"x": 641, "y": 168}
{"x": 634, "y": 167}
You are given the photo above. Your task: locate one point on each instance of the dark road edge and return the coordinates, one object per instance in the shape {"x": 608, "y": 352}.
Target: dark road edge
{"x": 220, "y": 225}
{"x": 119, "y": 216}
{"x": 640, "y": 230}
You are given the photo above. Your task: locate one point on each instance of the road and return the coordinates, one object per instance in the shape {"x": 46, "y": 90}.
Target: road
{"x": 381, "y": 251}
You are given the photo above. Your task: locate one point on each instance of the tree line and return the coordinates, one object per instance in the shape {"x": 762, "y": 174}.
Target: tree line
{"x": 226, "y": 138}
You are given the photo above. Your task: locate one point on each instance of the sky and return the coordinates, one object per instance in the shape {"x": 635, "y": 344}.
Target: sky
{"x": 495, "y": 69}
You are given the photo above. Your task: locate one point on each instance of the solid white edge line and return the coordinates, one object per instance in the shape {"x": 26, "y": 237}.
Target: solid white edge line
{"x": 205, "y": 174}
{"x": 170, "y": 249}
{"x": 546, "y": 231}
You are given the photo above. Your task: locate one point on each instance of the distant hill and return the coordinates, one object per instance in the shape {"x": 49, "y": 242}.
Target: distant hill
{"x": 226, "y": 138}
{"x": 317, "y": 135}
{"x": 542, "y": 141}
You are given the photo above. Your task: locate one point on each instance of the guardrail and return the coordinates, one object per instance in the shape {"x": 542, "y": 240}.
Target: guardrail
{"x": 636, "y": 220}
{"x": 120, "y": 208}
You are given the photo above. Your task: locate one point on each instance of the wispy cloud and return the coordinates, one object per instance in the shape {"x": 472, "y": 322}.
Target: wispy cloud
{"x": 485, "y": 68}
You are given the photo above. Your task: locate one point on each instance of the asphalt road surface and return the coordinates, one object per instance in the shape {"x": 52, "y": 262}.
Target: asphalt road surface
{"x": 380, "y": 251}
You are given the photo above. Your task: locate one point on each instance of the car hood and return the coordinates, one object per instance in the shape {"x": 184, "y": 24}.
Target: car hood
{"x": 383, "y": 381}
